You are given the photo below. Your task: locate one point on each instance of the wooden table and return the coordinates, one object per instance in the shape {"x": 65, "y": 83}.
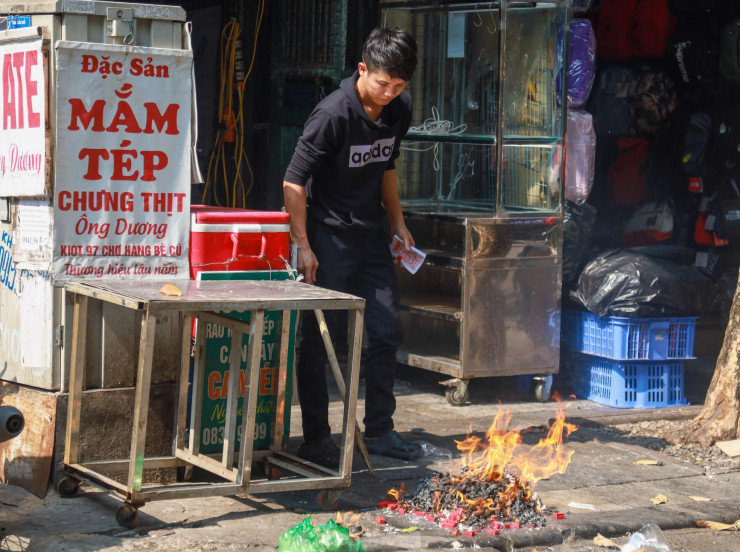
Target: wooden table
{"x": 205, "y": 301}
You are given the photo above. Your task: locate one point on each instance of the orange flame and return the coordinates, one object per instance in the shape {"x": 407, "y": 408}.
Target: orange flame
{"x": 349, "y": 519}
{"x": 496, "y": 453}
{"x": 487, "y": 460}
{"x": 396, "y": 494}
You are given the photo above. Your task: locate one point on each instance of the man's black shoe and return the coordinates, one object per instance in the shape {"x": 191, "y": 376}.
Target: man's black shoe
{"x": 323, "y": 452}
{"x": 393, "y": 445}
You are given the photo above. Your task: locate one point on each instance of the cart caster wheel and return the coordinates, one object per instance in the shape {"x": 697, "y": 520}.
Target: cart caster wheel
{"x": 271, "y": 472}
{"x": 126, "y": 515}
{"x": 329, "y": 500}
{"x": 67, "y": 486}
{"x": 457, "y": 396}
{"x": 542, "y": 388}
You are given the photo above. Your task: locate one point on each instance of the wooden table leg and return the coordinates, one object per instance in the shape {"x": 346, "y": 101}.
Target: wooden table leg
{"x": 181, "y": 384}
{"x": 76, "y": 377}
{"x": 249, "y": 410}
{"x": 286, "y": 335}
{"x": 141, "y": 404}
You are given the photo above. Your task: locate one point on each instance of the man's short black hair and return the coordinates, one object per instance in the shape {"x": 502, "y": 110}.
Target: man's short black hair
{"x": 391, "y": 50}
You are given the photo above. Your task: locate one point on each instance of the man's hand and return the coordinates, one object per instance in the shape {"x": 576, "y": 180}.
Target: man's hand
{"x": 295, "y": 204}
{"x": 307, "y": 264}
{"x": 402, "y": 232}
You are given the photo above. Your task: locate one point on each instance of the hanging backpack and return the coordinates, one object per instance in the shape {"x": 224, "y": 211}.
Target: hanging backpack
{"x": 625, "y": 182}
{"x": 729, "y": 51}
{"x": 610, "y": 105}
{"x": 728, "y": 211}
{"x": 728, "y": 217}
{"x": 613, "y": 29}
{"x": 692, "y": 8}
{"x": 580, "y": 156}
{"x": 727, "y": 133}
{"x": 650, "y": 223}
{"x": 696, "y": 143}
{"x": 652, "y": 101}
{"x": 704, "y": 233}
{"x": 581, "y": 62}
{"x": 692, "y": 55}
{"x": 653, "y": 26}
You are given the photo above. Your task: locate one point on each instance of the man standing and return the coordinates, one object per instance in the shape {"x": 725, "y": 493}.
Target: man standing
{"x": 339, "y": 187}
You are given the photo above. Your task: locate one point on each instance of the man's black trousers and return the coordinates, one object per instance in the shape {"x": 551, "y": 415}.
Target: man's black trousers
{"x": 362, "y": 266}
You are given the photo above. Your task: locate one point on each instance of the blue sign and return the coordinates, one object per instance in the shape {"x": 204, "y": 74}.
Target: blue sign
{"x": 19, "y": 21}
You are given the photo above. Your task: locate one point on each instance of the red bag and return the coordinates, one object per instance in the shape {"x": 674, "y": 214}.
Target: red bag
{"x": 653, "y": 26}
{"x": 613, "y": 29}
{"x": 625, "y": 181}
{"x": 702, "y": 236}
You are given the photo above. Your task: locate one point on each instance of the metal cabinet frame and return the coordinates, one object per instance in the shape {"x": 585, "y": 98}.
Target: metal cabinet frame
{"x": 487, "y": 300}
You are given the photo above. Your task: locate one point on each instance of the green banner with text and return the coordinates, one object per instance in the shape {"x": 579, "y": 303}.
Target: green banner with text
{"x": 216, "y": 372}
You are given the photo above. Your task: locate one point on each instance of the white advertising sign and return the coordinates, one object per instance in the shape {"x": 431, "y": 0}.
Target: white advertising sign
{"x": 23, "y": 109}
{"x": 122, "y": 192}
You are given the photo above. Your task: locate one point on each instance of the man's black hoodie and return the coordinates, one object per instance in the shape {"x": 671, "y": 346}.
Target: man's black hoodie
{"x": 341, "y": 158}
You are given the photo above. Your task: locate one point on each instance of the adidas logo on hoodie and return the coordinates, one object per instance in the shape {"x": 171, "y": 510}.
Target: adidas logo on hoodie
{"x": 380, "y": 151}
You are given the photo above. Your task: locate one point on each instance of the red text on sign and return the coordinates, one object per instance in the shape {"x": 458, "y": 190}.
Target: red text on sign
{"x": 19, "y": 90}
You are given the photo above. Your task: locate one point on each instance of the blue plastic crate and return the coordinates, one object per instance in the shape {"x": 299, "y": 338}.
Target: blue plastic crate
{"x": 628, "y": 384}
{"x": 622, "y": 338}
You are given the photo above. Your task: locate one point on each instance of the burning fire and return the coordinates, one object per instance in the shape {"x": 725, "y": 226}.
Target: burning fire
{"x": 500, "y": 451}
{"x": 496, "y": 477}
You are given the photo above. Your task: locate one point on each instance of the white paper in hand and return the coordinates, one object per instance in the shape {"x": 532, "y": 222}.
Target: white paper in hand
{"x": 411, "y": 260}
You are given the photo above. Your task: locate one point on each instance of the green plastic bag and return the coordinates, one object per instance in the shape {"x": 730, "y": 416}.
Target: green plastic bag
{"x": 330, "y": 537}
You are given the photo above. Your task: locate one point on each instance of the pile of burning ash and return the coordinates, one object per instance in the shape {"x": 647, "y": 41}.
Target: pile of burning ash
{"x": 465, "y": 501}
{"x": 485, "y": 494}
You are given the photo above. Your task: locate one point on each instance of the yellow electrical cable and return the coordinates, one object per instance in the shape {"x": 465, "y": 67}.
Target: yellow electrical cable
{"x": 240, "y": 116}
{"x": 229, "y": 120}
{"x": 217, "y": 162}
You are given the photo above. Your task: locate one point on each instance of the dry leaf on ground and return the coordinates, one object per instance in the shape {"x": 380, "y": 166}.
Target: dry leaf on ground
{"x": 717, "y": 526}
{"x": 601, "y": 540}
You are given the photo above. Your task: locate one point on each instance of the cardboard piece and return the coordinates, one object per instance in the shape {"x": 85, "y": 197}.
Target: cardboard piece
{"x": 25, "y": 460}
{"x": 730, "y": 448}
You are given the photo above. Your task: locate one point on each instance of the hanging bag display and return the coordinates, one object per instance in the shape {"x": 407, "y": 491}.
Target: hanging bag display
{"x": 610, "y": 104}
{"x": 625, "y": 179}
{"x": 650, "y": 223}
{"x": 581, "y": 62}
{"x": 727, "y": 133}
{"x": 728, "y": 212}
{"x": 728, "y": 216}
{"x": 729, "y": 51}
{"x": 613, "y": 29}
{"x": 692, "y": 8}
{"x": 652, "y": 100}
{"x": 696, "y": 144}
{"x": 692, "y": 55}
{"x": 579, "y": 156}
{"x": 653, "y": 25}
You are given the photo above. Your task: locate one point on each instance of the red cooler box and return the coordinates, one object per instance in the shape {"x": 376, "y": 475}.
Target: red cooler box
{"x": 224, "y": 238}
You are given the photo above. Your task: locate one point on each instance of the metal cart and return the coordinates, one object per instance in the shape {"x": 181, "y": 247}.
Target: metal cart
{"x": 481, "y": 188}
{"x": 204, "y": 301}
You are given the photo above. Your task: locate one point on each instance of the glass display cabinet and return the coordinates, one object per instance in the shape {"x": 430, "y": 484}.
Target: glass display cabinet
{"x": 480, "y": 177}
